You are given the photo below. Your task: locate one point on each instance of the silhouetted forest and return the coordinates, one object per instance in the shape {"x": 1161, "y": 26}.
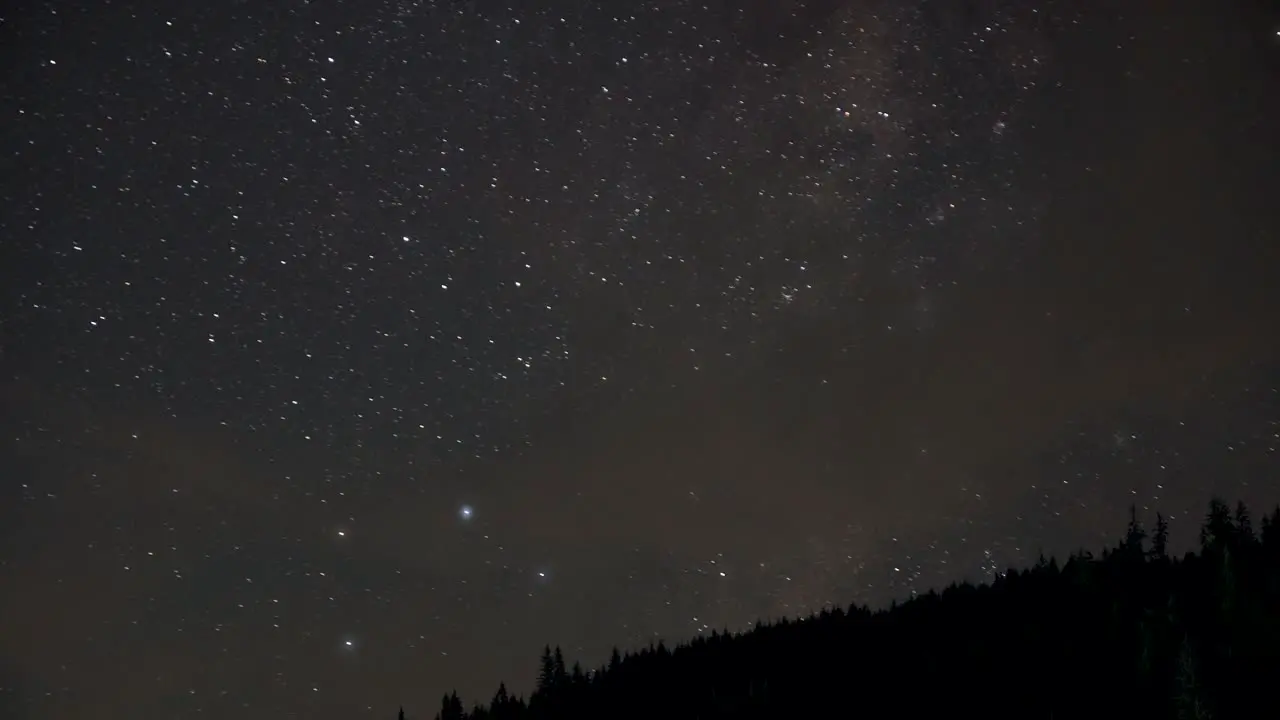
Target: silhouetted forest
{"x": 1132, "y": 633}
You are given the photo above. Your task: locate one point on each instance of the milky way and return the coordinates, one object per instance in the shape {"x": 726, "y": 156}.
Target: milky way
{"x": 352, "y": 352}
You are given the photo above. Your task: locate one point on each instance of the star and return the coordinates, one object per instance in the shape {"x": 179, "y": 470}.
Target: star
{"x": 349, "y": 644}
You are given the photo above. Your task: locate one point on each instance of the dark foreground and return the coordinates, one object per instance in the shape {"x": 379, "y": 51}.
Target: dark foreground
{"x": 1133, "y": 633}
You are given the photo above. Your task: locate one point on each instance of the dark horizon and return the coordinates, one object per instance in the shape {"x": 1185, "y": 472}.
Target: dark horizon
{"x": 1133, "y": 630}
{"x": 332, "y": 333}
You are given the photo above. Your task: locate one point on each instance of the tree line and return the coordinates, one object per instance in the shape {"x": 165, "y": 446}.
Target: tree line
{"x": 1131, "y": 632}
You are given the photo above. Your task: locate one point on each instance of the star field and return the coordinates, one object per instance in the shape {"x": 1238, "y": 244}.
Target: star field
{"x": 351, "y": 352}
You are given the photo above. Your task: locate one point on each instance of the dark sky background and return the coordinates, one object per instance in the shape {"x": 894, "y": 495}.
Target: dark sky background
{"x": 353, "y": 351}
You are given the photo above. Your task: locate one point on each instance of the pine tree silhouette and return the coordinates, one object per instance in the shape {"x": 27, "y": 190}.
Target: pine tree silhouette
{"x": 1244, "y": 526}
{"x": 451, "y": 707}
{"x": 546, "y": 671}
{"x": 1134, "y": 535}
{"x": 1160, "y": 540}
{"x": 1218, "y": 530}
{"x": 559, "y": 677}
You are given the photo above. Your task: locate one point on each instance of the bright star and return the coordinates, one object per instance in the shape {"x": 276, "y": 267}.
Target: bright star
{"x": 465, "y": 512}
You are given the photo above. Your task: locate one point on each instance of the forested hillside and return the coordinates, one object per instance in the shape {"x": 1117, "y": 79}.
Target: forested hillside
{"x": 1131, "y": 633}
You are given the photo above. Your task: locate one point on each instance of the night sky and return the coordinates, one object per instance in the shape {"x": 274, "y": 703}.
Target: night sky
{"x": 351, "y": 352}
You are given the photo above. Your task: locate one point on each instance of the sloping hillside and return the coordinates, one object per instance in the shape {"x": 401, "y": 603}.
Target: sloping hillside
{"x": 1133, "y": 632}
